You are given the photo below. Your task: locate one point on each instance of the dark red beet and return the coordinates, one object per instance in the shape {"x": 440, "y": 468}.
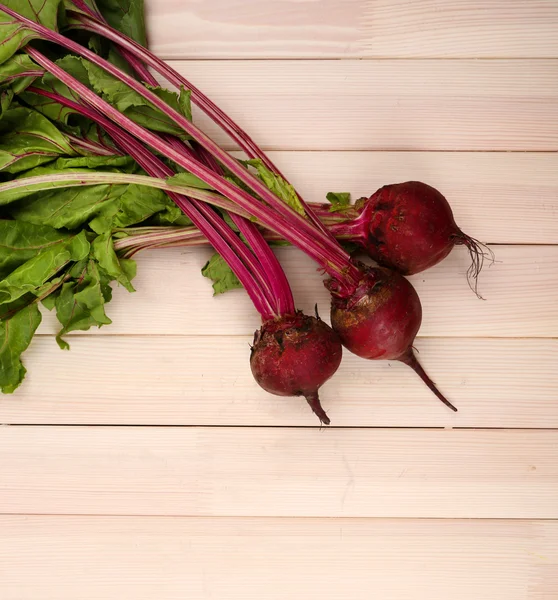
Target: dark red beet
{"x": 410, "y": 227}
{"x": 381, "y": 319}
{"x": 294, "y": 356}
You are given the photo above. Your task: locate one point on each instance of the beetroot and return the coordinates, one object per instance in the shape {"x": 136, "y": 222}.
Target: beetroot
{"x": 295, "y": 355}
{"x": 381, "y": 319}
{"x": 409, "y": 227}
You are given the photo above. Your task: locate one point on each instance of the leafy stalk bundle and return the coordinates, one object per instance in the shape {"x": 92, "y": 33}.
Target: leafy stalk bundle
{"x": 306, "y": 344}
{"x": 376, "y": 312}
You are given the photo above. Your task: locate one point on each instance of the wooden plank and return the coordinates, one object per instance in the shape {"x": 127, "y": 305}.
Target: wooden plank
{"x": 64, "y": 558}
{"x": 206, "y": 380}
{"x": 500, "y": 197}
{"x": 521, "y": 292}
{"x": 385, "y": 104}
{"x": 352, "y": 28}
{"x": 279, "y": 472}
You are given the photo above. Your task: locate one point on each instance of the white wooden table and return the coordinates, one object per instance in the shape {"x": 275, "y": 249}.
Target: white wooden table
{"x": 147, "y": 464}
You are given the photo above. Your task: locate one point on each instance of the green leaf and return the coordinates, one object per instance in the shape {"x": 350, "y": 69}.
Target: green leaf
{"x": 85, "y": 164}
{"x": 67, "y": 207}
{"x": 89, "y": 132}
{"x": 135, "y": 106}
{"x": 16, "y": 332}
{"x": 129, "y": 268}
{"x": 100, "y": 163}
{"x": 106, "y": 288}
{"x": 221, "y": 274}
{"x": 80, "y": 304}
{"x": 14, "y": 35}
{"x": 103, "y": 206}
{"x": 229, "y": 221}
{"x": 69, "y": 5}
{"x": 122, "y": 97}
{"x": 28, "y": 139}
{"x": 95, "y": 44}
{"x": 277, "y": 185}
{"x": 114, "y": 57}
{"x": 30, "y": 276}
{"x": 127, "y": 16}
{"x": 6, "y": 97}
{"x": 51, "y": 287}
{"x": 49, "y": 108}
{"x": 171, "y": 216}
{"x": 49, "y": 301}
{"x": 148, "y": 204}
{"x": 185, "y": 103}
{"x": 8, "y": 196}
{"x": 188, "y": 180}
{"x": 20, "y": 241}
{"x": 73, "y": 206}
{"x": 120, "y": 270}
{"x": 135, "y": 205}
{"x": 339, "y": 200}
{"x": 18, "y": 73}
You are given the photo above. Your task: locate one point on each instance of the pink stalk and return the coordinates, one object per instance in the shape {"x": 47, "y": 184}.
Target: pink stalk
{"x": 333, "y": 254}
{"x": 67, "y": 179}
{"x": 337, "y": 266}
{"x": 33, "y": 73}
{"x": 89, "y": 145}
{"x": 277, "y": 278}
{"x": 135, "y": 242}
{"x": 271, "y": 268}
{"x": 137, "y": 55}
{"x": 218, "y": 233}
{"x": 265, "y": 267}
{"x": 160, "y": 236}
{"x": 155, "y": 167}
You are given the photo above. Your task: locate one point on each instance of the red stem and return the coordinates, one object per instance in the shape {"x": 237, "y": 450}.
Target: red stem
{"x": 218, "y": 233}
{"x": 277, "y": 278}
{"x": 267, "y": 268}
{"x": 89, "y": 145}
{"x": 332, "y": 257}
{"x": 136, "y": 54}
{"x": 340, "y": 269}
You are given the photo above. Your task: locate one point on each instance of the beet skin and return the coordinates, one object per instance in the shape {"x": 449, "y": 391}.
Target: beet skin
{"x": 294, "y": 356}
{"x": 409, "y": 227}
{"x": 381, "y": 319}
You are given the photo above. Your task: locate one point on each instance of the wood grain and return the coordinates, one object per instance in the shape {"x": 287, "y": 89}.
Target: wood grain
{"x": 64, "y": 558}
{"x": 247, "y": 506}
{"x": 500, "y": 197}
{"x": 161, "y": 380}
{"x": 385, "y": 104}
{"x": 352, "y": 28}
{"x": 521, "y": 292}
{"x": 284, "y": 472}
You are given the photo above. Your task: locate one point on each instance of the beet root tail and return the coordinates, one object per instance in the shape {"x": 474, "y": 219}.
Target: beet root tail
{"x": 478, "y": 252}
{"x": 314, "y": 402}
{"x": 410, "y": 360}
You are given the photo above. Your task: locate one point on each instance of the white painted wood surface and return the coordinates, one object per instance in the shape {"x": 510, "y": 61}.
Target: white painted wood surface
{"x": 64, "y": 558}
{"x": 280, "y": 472}
{"x": 386, "y": 104}
{"x": 521, "y": 291}
{"x": 353, "y": 28}
{"x": 177, "y": 380}
{"x": 225, "y": 492}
